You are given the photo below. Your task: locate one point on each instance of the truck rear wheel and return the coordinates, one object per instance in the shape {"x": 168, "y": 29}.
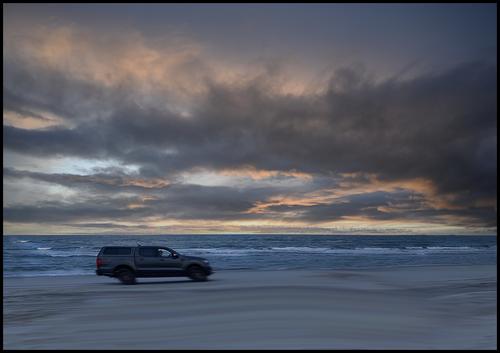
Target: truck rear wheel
{"x": 196, "y": 273}
{"x": 126, "y": 276}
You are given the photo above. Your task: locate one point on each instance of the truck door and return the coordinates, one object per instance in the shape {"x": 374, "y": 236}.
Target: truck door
{"x": 172, "y": 265}
{"x": 156, "y": 261}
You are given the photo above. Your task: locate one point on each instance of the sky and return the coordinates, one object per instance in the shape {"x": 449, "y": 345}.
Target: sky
{"x": 249, "y": 118}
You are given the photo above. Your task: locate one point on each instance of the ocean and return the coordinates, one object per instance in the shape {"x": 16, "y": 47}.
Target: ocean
{"x": 75, "y": 254}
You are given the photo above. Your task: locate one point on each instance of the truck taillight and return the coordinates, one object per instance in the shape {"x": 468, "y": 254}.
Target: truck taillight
{"x": 99, "y": 262}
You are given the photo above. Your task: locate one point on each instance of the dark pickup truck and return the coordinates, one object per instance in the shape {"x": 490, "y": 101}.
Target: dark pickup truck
{"x": 130, "y": 262}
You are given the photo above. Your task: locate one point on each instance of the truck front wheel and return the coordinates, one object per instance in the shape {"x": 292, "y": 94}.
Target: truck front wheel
{"x": 196, "y": 273}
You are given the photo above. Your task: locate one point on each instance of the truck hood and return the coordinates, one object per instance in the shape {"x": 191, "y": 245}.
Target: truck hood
{"x": 196, "y": 258}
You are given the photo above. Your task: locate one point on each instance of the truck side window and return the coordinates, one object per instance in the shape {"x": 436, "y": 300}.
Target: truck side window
{"x": 164, "y": 253}
{"x": 117, "y": 251}
{"x": 148, "y": 252}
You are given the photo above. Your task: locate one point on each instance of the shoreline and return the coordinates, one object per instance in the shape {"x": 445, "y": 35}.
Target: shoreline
{"x": 442, "y": 307}
{"x": 365, "y": 269}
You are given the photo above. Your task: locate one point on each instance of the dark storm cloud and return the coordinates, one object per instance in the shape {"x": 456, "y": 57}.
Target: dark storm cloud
{"x": 440, "y": 126}
{"x": 158, "y": 93}
{"x": 50, "y": 212}
{"x": 100, "y": 182}
{"x": 28, "y": 89}
{"x": 365, "y": 205}
{"x": 103, "y": 200}
{"x": 388, "y": 35}
{"x": 57, "y": 141}
{"x": 197, "y": 204}
{"x": 399, "y": 205}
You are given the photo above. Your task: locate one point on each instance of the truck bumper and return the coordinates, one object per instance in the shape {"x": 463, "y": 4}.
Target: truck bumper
{"x": 100, "y": 272}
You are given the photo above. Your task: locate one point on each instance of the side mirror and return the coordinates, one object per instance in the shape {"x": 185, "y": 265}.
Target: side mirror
{"x": 175, "y": 255}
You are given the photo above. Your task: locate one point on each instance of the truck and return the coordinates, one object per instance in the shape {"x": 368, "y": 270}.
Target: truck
{"x": 127, "y": 263}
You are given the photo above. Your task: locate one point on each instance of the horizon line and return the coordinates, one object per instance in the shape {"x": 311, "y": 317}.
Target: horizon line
{"x": 238, "y": 234}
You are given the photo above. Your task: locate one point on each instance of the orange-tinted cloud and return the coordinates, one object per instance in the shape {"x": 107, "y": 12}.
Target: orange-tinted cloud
{"x": 260, "y": 174}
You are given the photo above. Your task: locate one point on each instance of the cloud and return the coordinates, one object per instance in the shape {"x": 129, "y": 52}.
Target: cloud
{"x": 128, "y": 199}
{"x": 182, "y": 202}
{"x": 171, "y": 112}
{"x": 113, "y": 182}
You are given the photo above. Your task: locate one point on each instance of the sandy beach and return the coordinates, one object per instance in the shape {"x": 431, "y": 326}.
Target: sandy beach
{"x": 446, "y": 307}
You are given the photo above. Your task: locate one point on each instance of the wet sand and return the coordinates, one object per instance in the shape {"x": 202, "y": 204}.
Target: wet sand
{"x": 446, "y": 307}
